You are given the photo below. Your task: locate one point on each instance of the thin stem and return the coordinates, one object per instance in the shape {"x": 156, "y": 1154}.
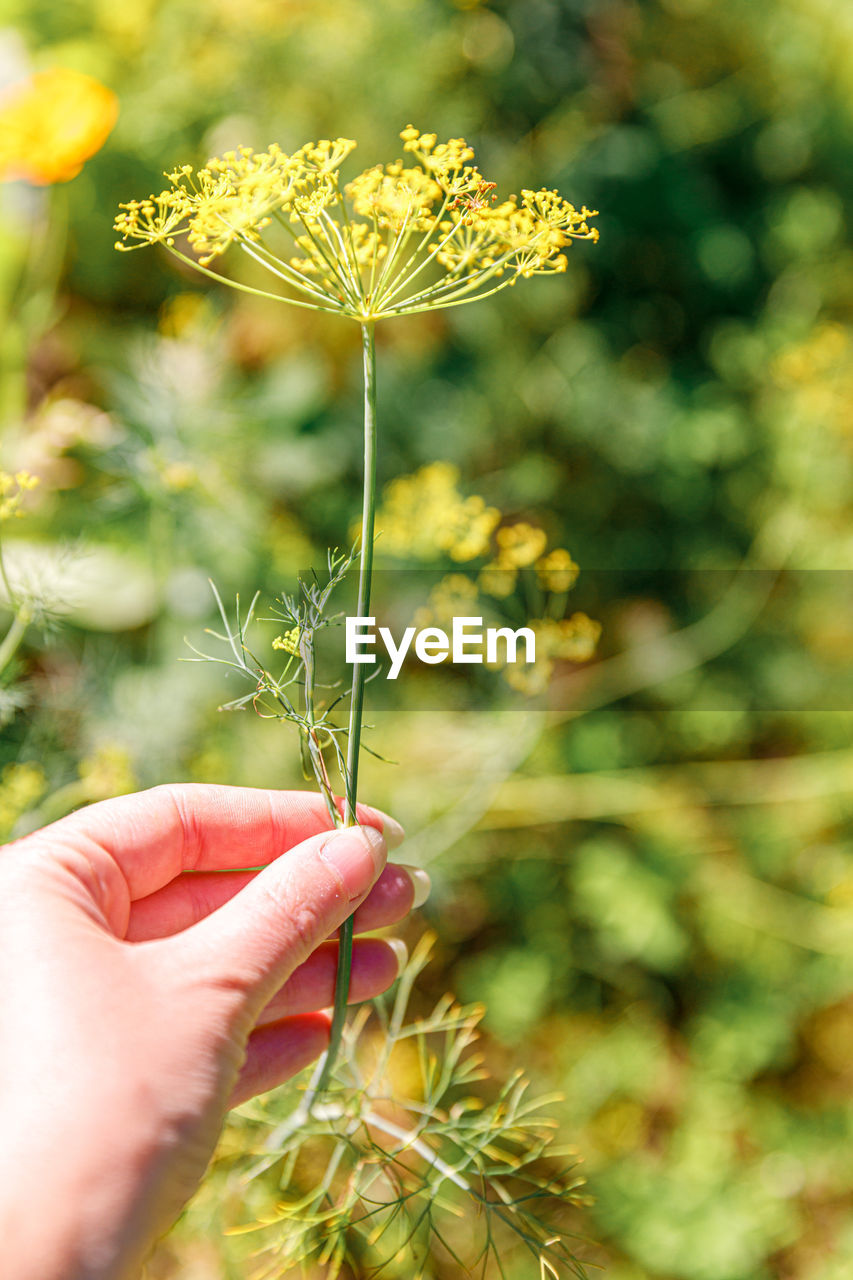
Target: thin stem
{"x": 350, "y": 237}
{"x": 347, "y": 259}
{"x": 365, "y": 573}
{"x": 20, "y": 621}
{"x": 10, "y": 591}
{"x": 400, "y": 241}
{"x": 331, "y": 263}
{"x": 458, "y": 302}
{"x": 245, "y": 288}
{"x": 283, "y": 270}
{"x": 410, "y": 1141}
{"x": 315, "y": 751}
{"x": 452, "y": 284}
{"x": 13, "y": 637}
{"x": 401, "y": 280}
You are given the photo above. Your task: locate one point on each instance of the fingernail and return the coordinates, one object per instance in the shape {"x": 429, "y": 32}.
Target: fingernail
{"x": 401, "y": 951}
{"x": 392, "y": 831}
{"x": 421, "y": 883}
{"x": 358, "y": 855}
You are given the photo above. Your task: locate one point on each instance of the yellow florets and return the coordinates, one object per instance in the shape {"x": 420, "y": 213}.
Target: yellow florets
{"x": 520, "y": 545}
{"x": 156, "y": 220}
{"x": 289, "y": 642}
{"x": 566, "y": 639}
{"x": 424, "y": 514}
{"x": 557, "y": 571}
{"x": 21, "y": 786}
{"x": 395, "y": 196}
{"x": 12, "y": 490}
{"x": 326, "y": 156}
{"x": 435, "y": 234}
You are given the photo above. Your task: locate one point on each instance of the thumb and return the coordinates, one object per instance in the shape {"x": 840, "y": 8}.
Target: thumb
{"x": 255, "y": 941}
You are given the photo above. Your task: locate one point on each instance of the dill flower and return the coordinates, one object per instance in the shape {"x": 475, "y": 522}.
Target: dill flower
{"x": 557, "y": 571}
{"x": 397, "y": 239}
{"x": 519, "y": 545}
{"x": 12, "y": 490}
{"x": 21, "y": 786}
{"x": 565, "y": 639}
{"x": 52, "y": 123}
{"x": 107, "y": 772}
{"x": 425, "y": 513}
{"x": 289, "y": 642}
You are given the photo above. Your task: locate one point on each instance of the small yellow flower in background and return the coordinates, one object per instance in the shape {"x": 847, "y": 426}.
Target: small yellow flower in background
{"x": 453, "y": 596}
{"x": 21, "y": 787}
{"x": 177, "y": 477}
{"x": 519, "y": 545}
{"x": 468, "y": 529}
{"x": 12, "y": 490}
{"x": 425, "y": 514}
{"x": 498, "y": 581}
{"x": 572, "y": 639}
{"x": 815, "y": 374}
{"x": 568, "y": 639}
{"x": 107, "y": 772}
{"x": 289, "y": 642}
{"x": 186, "y": 315}
{"x": 557, "y": 571}
{"x": 52, "y": 123}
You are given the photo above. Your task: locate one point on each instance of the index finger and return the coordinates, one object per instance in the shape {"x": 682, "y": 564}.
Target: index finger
{"x": 155, "y": 835}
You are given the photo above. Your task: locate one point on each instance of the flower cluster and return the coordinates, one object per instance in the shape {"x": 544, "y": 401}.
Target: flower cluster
{"x": 425, "y": 514}
{"x": 397, "y": 239}
{"x": 12, "y": 490}
{"x": 289, "y": 642}
{"x": 21, "y": 787}
{"x": 572, "y": 639}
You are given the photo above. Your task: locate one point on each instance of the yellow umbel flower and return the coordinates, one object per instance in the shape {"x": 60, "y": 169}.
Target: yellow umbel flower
{"x": 21, "y": 787}
{"x": 152, "y": 221}
{"x": 107, "y": 772}
{"x": 425, "y": 514}
{"x": 12, "y": 490}
{"x": 395, "y": 240}
{"x": 557, "y": 571}
{"x": 566, "y": 639}
{"x": 395, "y": 196}
{"x": 519, "y": 545}
{"x": 289, "y": 642}
{"x": 496, "y": 580}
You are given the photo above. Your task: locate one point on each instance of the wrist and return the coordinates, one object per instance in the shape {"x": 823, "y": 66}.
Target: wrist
{"x": 75, "y": 1218}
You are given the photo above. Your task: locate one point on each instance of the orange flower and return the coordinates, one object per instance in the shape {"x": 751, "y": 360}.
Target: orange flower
{"x": 51, "y": 123}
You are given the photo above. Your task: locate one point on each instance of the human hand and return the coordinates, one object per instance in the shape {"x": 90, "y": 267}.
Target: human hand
{"x": 149, "y": 983}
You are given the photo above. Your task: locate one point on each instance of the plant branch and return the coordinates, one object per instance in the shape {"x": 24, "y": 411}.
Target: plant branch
{"x": 365, "y": 573}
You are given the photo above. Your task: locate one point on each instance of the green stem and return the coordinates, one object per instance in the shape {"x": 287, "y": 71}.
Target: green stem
{"x": 13, "y": 637}
{"x": 21, "y": 619}
{"x": 357, "y": 697}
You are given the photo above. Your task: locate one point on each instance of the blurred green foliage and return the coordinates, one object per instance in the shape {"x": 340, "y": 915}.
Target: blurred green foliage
{"x": 655, "y": 898}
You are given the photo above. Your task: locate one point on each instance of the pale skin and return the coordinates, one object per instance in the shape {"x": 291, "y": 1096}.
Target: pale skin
{"x": 148, "y": 986}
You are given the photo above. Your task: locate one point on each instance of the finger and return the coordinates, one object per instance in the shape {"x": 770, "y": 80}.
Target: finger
{"x": 376, "y": 963}
{"x": 183, "y": 902}
{"x": 249, "y": 947}
{"x": 277, "y": 1052}
{"x": 399, "y": 890}
{"x": 155, "y": 835}
{"x": 194, "y": 895}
